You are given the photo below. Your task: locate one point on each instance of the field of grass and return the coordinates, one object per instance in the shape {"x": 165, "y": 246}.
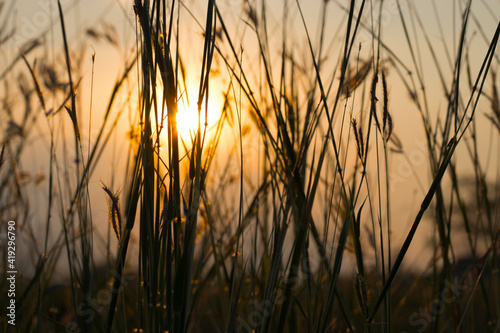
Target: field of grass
{"x": 284, "y": 214}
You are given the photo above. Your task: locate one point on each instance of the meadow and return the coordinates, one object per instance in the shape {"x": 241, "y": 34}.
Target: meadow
{"x": 254, "y": 167}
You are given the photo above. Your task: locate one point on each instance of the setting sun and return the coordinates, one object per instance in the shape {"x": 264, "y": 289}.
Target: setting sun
{"x": 187, "y": 114}
{"x": 340, "y": 172}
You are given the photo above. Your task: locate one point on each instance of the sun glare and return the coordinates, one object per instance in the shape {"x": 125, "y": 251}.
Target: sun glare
{"x": 187, "y": 115}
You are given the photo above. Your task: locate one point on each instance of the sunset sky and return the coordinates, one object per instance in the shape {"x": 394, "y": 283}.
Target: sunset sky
{"x": 34, "y": 19}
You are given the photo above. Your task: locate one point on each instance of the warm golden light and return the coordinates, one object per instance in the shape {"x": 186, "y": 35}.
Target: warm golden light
{"x": 188, "y": 118}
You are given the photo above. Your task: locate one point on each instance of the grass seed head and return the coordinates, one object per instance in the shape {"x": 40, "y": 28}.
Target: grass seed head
{"x": 373, "y": 97}
{"x": 358, "y": 135}
{"x": 114, "y": 211}
{"x": 495, "y": 104}
{"x": 387, "y": 119}
{"x": 361, "y": 292}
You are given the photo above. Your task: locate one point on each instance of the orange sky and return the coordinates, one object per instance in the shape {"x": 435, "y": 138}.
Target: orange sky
{"x": 34, "y": 18}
